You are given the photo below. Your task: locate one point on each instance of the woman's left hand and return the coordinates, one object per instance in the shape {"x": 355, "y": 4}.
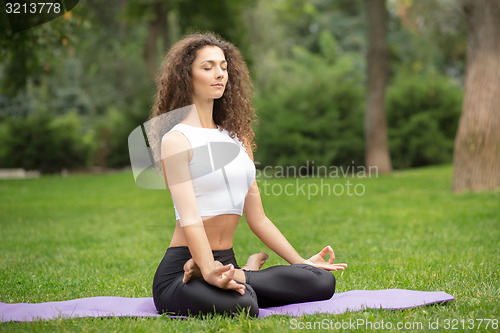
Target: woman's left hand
{"x": 318, "y": 260}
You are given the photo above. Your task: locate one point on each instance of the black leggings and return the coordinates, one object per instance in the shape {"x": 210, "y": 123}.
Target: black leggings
{"x": 273, "y": 286}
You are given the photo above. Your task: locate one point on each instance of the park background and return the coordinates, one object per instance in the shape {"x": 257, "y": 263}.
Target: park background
{"x": 74, "y": 88}
{"x": 84, "y": 81}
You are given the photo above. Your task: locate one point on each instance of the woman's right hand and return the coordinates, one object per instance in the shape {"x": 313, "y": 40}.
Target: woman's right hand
{"x": 222, "y": 277}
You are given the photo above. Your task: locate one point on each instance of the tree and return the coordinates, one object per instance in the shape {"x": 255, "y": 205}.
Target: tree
{"x": 31, "y": 54}
{"x": 167, "y": 21}
{"x": 477, "y": 145}
{"x": 155, "y": 14}
{"x": 158, "y": 27}
{"x": 376, "y": 145}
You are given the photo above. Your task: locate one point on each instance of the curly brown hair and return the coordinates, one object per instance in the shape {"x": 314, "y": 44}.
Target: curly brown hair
{"x": 234, "y": 111}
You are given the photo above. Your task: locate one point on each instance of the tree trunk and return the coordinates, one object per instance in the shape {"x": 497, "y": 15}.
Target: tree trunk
{"x": 376, "y": 145}
{"x": 476, "y": 159}
{"x": 158, "y": 27}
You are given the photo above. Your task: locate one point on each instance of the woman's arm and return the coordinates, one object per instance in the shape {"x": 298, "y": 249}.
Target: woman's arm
{"x": 264, "y": 228}
{"x": 175, "y": 159}
{"x": 270, "y": 235}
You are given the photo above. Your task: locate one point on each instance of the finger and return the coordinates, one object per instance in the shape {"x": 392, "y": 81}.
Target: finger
{"x": 228, "y": 275}
{"x": 330, "y": 267}
{"x": 326, "y": 267}
{"x": 240, "y": 288}
{"x": 332, "y": 255}
{"x": 223, "y": 269}
{"x": 323, "y": 252}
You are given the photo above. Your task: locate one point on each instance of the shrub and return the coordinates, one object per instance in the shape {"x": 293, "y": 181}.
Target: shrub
{"x": 41, "y": 142}
{"x": 423, "y": 112}
{"x": 311, "y": 109}
{"x": 112, "y": 137}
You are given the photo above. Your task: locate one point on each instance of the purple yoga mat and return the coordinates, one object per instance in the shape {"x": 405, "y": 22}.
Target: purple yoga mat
{"x": 107, "y": 306}
{"x": 356, "y": 300}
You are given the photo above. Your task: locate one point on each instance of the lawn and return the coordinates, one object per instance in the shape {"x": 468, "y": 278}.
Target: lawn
{"x": 94, "y": 235}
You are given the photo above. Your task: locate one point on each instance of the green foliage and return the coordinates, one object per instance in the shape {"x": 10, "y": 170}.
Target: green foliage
{"x": 41, "y": 142}
{"x": 423, "y": 112}
{"x": 106, "y": 72}
{"x": 69, "y": 95}
{"x": 428, "y": 32}
{"x": 111, "y": 54}
{"x": 223, "y": 17}
{"x": 17, "y": 107}
{"x": 423, "y": 125}
{"x": 310, "y": 109}
{"x": 113, "y": 130}
{"x": 309, "y": 87}
{"x": 305, "y": 21}
{"x": 33, "y": 53}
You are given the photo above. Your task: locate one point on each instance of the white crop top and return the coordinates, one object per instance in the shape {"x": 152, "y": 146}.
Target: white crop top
{"x": 221, "y": 170}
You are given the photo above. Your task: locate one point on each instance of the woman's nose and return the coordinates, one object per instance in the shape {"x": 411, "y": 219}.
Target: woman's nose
{"x": 219, "y": 73}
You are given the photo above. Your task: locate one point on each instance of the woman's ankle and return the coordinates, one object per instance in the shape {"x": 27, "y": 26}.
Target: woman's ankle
{"x": 239, "y": 275}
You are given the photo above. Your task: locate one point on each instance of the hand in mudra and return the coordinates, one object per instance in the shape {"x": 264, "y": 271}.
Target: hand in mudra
{"x": 318, "y": 260}
{"x": 221, "y": 276}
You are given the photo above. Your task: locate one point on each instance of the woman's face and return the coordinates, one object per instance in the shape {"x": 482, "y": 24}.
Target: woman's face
{"x": 209, "y": 73}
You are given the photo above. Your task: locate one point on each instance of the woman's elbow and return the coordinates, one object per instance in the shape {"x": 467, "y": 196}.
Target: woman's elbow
{"x": 254, "y": 220}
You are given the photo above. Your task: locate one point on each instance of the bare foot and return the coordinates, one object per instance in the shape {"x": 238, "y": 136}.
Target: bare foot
{"x": 191, "y": 271}
{"x": 255, "y": 261}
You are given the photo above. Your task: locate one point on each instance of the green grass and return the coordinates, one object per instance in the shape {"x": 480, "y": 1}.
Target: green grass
{"x": 95, "y": 235}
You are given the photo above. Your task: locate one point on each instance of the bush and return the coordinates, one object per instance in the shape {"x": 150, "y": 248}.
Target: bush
{"x": 423, "y": 112}
{"x": 16, "y": 107}
{"x": 41, "y": 142}
{"x": 69, "y": 95}
{"x": 112, "y": 136}
{"x": 311, "y": 109}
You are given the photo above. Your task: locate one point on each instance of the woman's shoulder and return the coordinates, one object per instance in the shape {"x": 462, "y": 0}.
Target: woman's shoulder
{"x": 174, "y": 141}
{"x": 179, "y": 132}
{"x": 174, "y": 136}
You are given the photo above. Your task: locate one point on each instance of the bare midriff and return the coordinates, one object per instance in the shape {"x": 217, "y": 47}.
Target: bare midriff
{"x": 219, "y": 229}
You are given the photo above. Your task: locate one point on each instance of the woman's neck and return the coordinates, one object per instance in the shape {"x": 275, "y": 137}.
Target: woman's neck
{"x": 205, "y": 110}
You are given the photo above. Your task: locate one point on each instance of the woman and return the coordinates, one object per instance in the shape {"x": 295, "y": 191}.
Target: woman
{"x": 199, "y": 273}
